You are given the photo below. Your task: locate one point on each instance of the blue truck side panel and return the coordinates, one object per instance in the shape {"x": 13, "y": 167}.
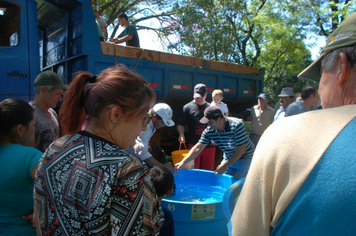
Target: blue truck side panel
{"x": 68, "y": 42}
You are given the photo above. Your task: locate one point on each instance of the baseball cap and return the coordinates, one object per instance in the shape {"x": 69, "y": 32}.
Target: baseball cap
{"x": 343, "y": 36}
{"x": 264, "y": 96}
{"x": 50, "y": 78}
{"x": 212, "y": 112}
{"x": 286, "y": 92}
{"x": 165, "y": 112}
{"x": 199, "y": 90}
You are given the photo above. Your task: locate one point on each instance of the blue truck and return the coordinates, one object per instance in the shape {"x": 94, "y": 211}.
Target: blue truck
{"x": 61, "y": 36}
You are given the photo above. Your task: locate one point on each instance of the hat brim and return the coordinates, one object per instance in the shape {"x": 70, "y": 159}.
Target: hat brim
{"x": 168, "y": 122}
{"x": 197, "y": 95}
{"x": 204, "y": 120}
{"x": 313, "y": 70}
{"x": 63, "y": 86}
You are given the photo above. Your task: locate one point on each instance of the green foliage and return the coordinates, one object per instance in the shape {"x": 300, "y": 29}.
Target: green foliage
{"x": 136, "y": 10}
{"x": 264, "y": 34}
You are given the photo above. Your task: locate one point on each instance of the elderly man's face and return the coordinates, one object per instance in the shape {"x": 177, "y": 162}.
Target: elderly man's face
{"x": 262, "y": 103}
{"x": 285, "y": 101}
{"x": 329, "y": 91}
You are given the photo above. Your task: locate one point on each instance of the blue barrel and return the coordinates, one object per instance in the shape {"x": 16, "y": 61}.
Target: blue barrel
{"x": 197, "y": 203}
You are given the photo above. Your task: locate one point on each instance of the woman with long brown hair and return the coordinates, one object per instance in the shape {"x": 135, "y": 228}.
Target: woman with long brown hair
{"x": 87, "y": 182}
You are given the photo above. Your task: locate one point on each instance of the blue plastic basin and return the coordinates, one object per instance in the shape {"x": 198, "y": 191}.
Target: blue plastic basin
{"x": 197, "y": 204}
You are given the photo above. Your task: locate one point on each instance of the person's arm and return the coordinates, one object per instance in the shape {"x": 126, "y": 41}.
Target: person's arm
{"x": 226, "y": 113}
{"x": 180, "y": 129}
{"x": 33, "y": 172}
{"x": 123, "y": 39}
{"x": 240, "y": 150}
{"x": 133, "y": 187}
{"x": 193, "y": 153}
{"x": 105, "y": 32}
{"x": 32, "y": 217}
{"x": 151, "y": 161}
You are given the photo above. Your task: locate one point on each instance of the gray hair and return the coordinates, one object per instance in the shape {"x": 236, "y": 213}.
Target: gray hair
{"x": 329, "y": 61}
{"x": 50, "y": 88}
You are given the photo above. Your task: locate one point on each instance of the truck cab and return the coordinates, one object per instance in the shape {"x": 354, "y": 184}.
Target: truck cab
{"x": 19, "y": 55}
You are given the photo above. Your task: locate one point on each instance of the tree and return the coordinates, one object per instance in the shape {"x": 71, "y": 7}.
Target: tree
{"x": 269, "y": 34}
{"x": 260, "y": 33}
{"x": 137, "y": 12}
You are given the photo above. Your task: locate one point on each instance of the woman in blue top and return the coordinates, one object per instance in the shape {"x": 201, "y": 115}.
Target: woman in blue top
{"x": 18, "y": 165}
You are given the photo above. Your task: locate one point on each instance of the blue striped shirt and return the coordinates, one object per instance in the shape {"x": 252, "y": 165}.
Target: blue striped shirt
{"x": 232, "y": 136}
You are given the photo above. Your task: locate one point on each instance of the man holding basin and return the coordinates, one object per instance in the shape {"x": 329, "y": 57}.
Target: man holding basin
{"x": 229, "y": 134}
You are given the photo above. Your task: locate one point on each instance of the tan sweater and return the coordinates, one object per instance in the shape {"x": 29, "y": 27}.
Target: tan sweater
{"x": 286, "y": 154}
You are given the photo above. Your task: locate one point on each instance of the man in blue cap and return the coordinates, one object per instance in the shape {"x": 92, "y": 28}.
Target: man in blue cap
{"x": 261, "y": 117}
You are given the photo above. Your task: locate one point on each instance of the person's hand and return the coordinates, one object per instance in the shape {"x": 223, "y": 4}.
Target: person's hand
{"x": 181, "y": 139}
{"x": 29, "y": 217}
{"x": 168, "y": 165}
{"x": 221, "y": 169}
{"x": 178, "y": 166}
{"x": 114, "y": 40}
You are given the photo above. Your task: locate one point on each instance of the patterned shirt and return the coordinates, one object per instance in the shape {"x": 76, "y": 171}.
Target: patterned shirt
{"x": 86, "y": 185}
{"x": 233, "y": 135}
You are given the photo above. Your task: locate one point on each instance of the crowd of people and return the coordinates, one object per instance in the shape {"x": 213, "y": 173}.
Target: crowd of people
{"x": 89, "y": 170}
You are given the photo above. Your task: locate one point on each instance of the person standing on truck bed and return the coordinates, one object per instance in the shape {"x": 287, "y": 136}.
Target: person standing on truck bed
{"x": 191, "y": 115}
{"x": 48, "y": 92}
{"x": 129, "y": 35}
{"x": 102, "y": 24}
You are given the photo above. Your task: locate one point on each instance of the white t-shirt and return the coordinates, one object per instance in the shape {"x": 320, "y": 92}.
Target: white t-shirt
{"x": 222, "y": 106}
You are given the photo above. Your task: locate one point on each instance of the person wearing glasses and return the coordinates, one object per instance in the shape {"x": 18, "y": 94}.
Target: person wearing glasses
{"x": 87, "y": 183}
{"x": 161, "y": 115}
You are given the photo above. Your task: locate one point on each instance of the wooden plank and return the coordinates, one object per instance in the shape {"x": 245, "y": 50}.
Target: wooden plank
{"x": 151, "y": 55}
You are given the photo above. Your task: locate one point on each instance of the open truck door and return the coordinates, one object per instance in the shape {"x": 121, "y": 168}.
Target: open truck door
{"x": 19, "y": 61}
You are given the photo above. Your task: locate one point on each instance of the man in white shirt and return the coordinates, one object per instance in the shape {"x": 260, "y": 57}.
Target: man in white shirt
{"x": 161, "y": 116}
{"x": 285, "y": 98}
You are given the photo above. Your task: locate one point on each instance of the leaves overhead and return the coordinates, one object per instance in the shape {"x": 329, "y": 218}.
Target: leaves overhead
{"x": 274, "y": 34}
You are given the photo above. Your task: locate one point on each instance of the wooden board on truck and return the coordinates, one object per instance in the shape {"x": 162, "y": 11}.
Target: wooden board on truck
{"x": 151, "y": 55}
